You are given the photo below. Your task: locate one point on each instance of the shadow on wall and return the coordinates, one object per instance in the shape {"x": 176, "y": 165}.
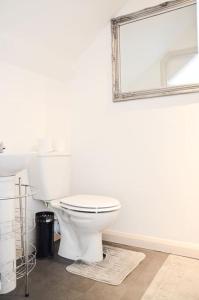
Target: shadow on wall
{"x": 156, "y": 103}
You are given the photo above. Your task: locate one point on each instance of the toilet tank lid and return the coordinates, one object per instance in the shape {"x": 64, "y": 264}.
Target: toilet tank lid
{"x": 90, "y": 201}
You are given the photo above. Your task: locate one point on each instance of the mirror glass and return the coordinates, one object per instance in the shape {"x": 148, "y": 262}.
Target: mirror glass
{"x": 160, "y": 51}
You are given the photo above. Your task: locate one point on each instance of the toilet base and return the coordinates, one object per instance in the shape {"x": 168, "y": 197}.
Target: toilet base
{"x": 86, "y": 247}
{"x": 81, "y": 233}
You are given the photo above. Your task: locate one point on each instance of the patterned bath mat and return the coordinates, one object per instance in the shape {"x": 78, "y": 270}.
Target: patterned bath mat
{"x": 117, "y": 264}
{"x": 177, "y": 279}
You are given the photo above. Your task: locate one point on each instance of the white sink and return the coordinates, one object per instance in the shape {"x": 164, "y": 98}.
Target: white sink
{"x": 12, "y": 163}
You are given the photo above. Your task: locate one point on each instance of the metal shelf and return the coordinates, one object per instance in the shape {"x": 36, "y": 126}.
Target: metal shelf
{"x": 19, "y": 229}
{"x": 28, "y": 192}
{"x": 21, "y": 265}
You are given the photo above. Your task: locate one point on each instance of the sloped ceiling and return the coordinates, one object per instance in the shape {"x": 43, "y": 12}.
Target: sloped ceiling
{"x": 48, "y": 36}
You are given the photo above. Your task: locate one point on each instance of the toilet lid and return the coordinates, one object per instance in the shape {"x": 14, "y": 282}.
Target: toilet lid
{"x": 90, "y": 203}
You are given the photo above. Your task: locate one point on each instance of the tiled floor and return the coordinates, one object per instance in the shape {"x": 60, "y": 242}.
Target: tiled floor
{"x": 50, "y": 281}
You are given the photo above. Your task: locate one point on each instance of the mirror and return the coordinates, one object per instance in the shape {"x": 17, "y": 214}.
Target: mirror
{"x": 155, "y": 51}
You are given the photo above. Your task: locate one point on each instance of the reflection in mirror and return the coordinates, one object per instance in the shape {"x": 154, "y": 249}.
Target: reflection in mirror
{"x": 160, "y": 51}
{"x": 156, "y": 51}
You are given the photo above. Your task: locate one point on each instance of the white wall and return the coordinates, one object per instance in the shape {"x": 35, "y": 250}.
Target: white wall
{"x": 31, "y": 107}
{"x": 23, "y": 116}
{"x": 48, "y": 36}
{"x": 145, "y": 153}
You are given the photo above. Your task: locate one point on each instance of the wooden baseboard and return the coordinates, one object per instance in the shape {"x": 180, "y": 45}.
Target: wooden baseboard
{"x": 153, "y": 243}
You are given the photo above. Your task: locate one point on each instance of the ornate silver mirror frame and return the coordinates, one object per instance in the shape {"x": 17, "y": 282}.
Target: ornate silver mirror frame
{"x": 118, "y": 95}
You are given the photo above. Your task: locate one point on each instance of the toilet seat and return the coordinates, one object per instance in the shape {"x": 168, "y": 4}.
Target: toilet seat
{"x": 90, "y": 203}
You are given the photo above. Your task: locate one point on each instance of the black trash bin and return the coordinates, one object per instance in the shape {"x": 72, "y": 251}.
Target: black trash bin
{"x": 45, "y": 234}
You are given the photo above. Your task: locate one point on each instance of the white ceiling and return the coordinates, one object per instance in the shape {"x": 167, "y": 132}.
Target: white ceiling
{"x": 48, "y": 36}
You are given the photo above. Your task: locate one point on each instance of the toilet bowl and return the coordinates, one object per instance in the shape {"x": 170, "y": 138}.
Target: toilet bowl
{"x": 82, "y": 218}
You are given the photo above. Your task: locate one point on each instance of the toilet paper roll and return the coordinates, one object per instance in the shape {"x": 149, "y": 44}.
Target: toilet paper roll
{"x": 8, "y": 278}
{"x": 7, "y": 187}
{"x": 7, "y": 235}
{"x": 7, "y": 265}
{"x": 7, "y": 211}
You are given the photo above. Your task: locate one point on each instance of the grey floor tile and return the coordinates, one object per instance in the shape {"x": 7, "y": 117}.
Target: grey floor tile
{"x": 50, "y": 281}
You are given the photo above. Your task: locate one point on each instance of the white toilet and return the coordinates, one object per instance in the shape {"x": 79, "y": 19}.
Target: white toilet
{"x": 82, "y": 218}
